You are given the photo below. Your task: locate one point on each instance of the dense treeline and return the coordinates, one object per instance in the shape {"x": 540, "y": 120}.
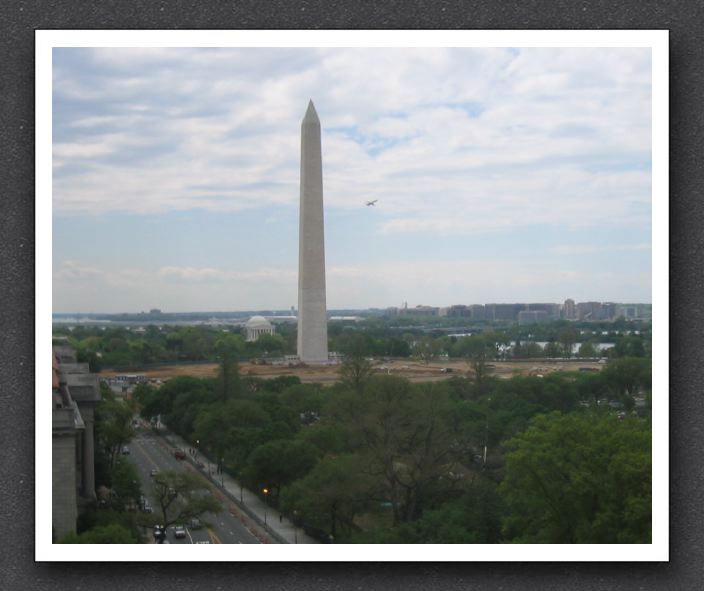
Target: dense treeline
{"x": 120, "y": 346}
{"x": 125, "y": 347}
{"x": 376, "y": 458}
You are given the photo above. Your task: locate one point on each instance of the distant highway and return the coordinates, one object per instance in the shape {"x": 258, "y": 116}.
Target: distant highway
{"x": 149, "y": 452}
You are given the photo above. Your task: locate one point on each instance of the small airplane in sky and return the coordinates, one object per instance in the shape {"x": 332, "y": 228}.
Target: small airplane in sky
{"x": 372, "y": 202}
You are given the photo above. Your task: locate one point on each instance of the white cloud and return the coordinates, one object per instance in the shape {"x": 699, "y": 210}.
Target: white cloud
{"x": 77, "y": 271}
{"x": 575, "y": 249}
{"x": 452, "y": 143}
{"x": 435, "y": 133}
{"x": 211, "y": 275}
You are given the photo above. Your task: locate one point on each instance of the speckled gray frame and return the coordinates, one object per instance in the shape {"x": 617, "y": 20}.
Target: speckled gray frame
{"x": 19, "y": 19}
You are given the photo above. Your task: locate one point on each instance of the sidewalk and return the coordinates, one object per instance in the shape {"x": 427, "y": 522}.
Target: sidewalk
{"x": 281, "y": 529}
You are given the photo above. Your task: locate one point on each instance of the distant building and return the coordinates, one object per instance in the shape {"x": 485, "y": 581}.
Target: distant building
{"x": 477, "y": 312}
{"x": 627, "y": 311}
{"x": 589, "y": 310}
{"x": 75, "y": 393}
{"x": 608, "y": 310}
{"x": 257, "y": 326}
{"x": 457, "y": 311}
{"x": 569, "y": 310}
{"x": 417, "y": 311}
{"x": 422, "y": 311}
{"x": 532, "y": 317}
{"x": 552, "y": 310}
{"x": 506, "y": 312}
{"x": 596, "y": 311}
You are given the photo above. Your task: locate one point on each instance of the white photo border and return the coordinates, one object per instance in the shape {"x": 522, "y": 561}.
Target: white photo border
{"x": 656, "y": 40}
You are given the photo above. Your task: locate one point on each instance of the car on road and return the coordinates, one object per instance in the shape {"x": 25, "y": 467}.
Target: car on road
{"x": 179, "y": 454}
{"x": 153, "y": 472}
{"x": 125, "y": 451}
{"x": 179, "y": 531}
{"x": 159, "y": 534}
{"x": 195, "y": 523}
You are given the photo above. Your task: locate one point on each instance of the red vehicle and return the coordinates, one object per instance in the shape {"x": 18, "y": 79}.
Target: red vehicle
{"x": 179, "y": 454}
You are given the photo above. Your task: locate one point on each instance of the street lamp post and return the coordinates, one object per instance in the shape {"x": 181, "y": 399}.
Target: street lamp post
{"x": 295, "y": 526}
{"x": 486, "y": 434}
{"x": 266, "y": 492}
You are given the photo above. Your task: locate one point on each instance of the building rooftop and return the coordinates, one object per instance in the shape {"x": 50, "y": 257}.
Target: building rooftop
{"x": 258, "y": 322}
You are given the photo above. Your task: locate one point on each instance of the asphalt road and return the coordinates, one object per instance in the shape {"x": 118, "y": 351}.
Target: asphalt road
{"x": 149, "y": 452}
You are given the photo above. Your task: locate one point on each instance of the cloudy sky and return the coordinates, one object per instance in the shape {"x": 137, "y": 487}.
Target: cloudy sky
{"x": 502, "y": 175}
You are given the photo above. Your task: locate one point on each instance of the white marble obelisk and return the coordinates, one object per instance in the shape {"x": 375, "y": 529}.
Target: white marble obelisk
{"x": 312, "y": 312}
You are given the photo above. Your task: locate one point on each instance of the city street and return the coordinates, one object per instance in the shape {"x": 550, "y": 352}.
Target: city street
{"x": 149, "y": 452}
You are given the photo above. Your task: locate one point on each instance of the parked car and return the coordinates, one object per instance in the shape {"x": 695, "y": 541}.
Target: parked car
{"x": 179, "y": 531}
{"x": 179, "y": 454}
{"x": 125, "y": 450}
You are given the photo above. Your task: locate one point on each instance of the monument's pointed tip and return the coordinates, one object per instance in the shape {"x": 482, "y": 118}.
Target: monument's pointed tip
{"x": 311, "y": 113}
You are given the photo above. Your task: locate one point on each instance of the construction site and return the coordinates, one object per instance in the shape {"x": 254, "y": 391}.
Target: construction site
{"x": 412, "y": 370}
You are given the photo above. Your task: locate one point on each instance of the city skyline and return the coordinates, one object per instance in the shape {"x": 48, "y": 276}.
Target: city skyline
{"x": 499, "y": 173}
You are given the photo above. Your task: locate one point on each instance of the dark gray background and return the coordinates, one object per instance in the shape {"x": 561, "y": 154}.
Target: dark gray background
{"x": 19, "y": 19}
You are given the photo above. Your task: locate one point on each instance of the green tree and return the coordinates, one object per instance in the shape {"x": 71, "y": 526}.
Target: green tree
{"x": 269, "y": 344}
{"x": 579, "y": 478}
{"x": 427, "y": 349}
{"x": 328, "y": 438}
{"x": 567, "y": 340}
{"x": 591, "y": 387}
{"x": 405, "y": 435}
{"x": 331, "y": 494}
{"x": 181, "y": 496}
{"x": 106, "y": 534}
{"x": 229, "y": 348}
{"x": 477, "y": 350}
{"x": 628, "y": 346}
{"x": 356, "y": 369}
{"x": 472, "y": 518}
{"x": 627, "y": 376}
{"x": 113, "y": 424}
{"x": 125, "y": 485}
{"x": 276, "y": 464}
{"x": 588, "y": 350}
{"x": 552, "y": 350}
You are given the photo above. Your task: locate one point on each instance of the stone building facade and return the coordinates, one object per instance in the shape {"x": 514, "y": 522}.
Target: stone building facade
{"x": 75, "y": 393}
{"x": 257, "y": 326}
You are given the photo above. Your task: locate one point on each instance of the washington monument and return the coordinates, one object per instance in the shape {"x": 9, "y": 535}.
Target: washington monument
{"x": 312, "y": 312}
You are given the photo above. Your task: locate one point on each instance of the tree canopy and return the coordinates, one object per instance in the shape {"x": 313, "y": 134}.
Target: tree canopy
{"x": 579, "y": 478}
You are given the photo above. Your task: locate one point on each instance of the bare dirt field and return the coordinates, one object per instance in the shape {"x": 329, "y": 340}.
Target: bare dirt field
{"x": 412, "y": 370}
